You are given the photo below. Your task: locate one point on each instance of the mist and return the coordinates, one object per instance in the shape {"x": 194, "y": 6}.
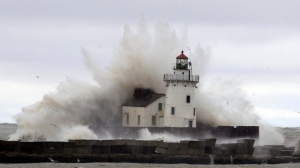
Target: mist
{"x": 139, "y": 60}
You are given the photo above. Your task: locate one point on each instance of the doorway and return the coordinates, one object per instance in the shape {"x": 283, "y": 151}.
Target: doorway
{"x": 190, "y": 124}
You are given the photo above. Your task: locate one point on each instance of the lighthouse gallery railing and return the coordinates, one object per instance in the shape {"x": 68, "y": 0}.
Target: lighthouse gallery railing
{"x": 181, "y": 77}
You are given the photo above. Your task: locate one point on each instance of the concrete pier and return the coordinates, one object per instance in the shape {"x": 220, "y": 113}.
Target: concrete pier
{"x": 141, "y": 151}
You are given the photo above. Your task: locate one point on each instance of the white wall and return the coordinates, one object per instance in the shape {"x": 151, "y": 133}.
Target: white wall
{"x": 145, "y": 113}
{"x": 176, "y": 97}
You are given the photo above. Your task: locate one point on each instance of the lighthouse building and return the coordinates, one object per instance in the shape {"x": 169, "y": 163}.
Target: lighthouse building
{"x": 176, "y": 108}
{"x": 180, "y": 110}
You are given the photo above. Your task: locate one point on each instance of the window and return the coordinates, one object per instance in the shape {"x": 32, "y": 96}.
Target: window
{"x": 160, "y": 106}
{"x": 173, "y": 110}
{"x": 190, "y": 123}
{"x": 127, "y": 118}
{"x": 139, "y": 120}
{"x": 188, "y": 99}
{"x": 153, "y": 120}
{"x": 194, "y": 111}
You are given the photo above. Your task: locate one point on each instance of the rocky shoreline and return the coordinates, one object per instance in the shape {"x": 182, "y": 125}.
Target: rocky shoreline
{"x": 9, "y": 157}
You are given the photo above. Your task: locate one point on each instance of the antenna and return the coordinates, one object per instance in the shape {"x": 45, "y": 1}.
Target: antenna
{"x": 190, "y": 63}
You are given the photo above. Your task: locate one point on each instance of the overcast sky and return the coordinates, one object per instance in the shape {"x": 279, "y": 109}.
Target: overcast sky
{"x": 252, "y": 42}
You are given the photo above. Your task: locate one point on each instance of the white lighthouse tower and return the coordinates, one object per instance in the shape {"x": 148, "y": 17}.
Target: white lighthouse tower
{"x": 180, "y": 97}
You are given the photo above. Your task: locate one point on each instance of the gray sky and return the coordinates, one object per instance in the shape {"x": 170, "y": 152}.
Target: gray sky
{"x": 252, "y": 42}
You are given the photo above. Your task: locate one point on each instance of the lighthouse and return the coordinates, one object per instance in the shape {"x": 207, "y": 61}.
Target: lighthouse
{"x": 180, "y": 105}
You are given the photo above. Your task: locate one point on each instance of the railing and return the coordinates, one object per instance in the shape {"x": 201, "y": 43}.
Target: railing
{"x": 181, "y": 77}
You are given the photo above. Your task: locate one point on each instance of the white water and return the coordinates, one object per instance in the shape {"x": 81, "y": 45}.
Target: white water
{"x": 145, "y": 134}
{"x": 140, "y": 60}
{"x": 231, "y": 159}
{"x": 211, "y": 160}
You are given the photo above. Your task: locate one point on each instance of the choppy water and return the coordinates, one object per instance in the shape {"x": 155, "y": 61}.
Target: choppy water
{"x": 138, "y": 165}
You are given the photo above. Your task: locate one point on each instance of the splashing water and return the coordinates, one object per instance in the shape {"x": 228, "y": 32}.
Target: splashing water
{"x": 211, "y": 159}
{"x": 141, "y": 59}
{"x": 231, "y": 159}
{"x": 145, "y": 134}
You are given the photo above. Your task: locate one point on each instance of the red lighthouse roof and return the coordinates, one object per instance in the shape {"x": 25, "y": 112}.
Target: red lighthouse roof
{"x": 182, "y": 56}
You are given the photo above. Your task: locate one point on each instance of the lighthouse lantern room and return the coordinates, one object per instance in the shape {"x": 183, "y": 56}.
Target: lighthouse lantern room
{"x": 180, "y": 107}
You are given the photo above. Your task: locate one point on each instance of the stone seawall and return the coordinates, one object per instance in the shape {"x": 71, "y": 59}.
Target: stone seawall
{"x": 193, "y": 133}
{"x": 203, "y": 151}
{"x": 127, "y": 146}
{"x": 8, "y": 157}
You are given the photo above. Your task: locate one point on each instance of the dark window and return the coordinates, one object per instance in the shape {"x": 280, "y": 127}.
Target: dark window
{"x": 194, "y": 111}
{"x": 153, "y": 120}
{"x": 188, "y": 99}
{"x": 160, "y": 106}
{"x": 173, "y": 110}
{"x": 127, "y": 118}
{"x": 139, "y": 120}
{"x": 190, "y": 123}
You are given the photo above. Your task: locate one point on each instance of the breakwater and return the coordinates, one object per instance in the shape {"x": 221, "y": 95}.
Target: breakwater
{"x": 128, "y": 146}
{"x": 226, "y": 132}
{"x": 204, "y": 151}
{"x": 8, "y": 157}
